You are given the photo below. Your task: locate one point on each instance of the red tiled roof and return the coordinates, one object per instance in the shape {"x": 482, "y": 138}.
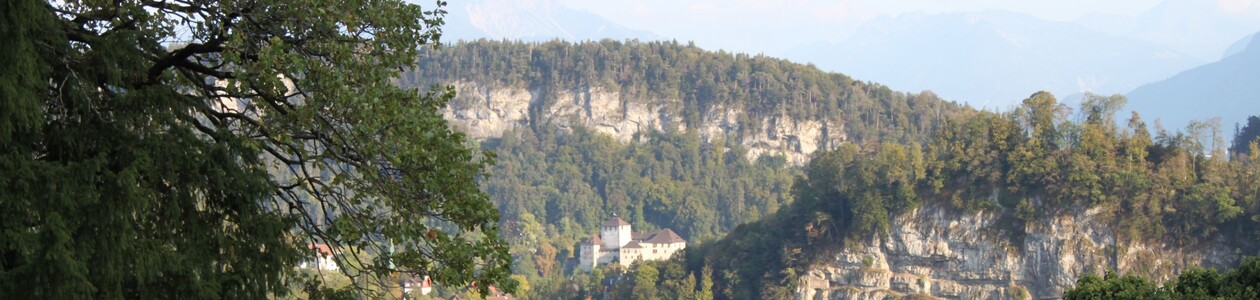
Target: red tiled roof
{"x": 320, "y": 249}
{"x": 641, "y": 236}
{"x": 594, "y": 240}
{"x": 495, "y": 294}
{"x": 615, "y": 222}
{"x": 666, "y": 236}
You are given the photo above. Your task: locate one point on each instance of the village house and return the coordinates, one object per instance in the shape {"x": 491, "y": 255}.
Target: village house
{"x": 323, "y": 259}
{"x": 417, "y": 285}
{"x": 618, "y": 243}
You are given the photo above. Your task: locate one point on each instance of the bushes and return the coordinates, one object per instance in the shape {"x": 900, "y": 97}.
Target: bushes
{"x": 1240, "y": 283}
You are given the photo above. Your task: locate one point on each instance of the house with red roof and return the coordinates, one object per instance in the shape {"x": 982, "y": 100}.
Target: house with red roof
{"x": 322, "y": 258}
{"x": 413, "y": 285}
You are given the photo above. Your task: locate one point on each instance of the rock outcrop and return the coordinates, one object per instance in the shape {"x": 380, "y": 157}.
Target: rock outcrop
{"x": 485, "y": 112}
{"x": 935, "y": 253}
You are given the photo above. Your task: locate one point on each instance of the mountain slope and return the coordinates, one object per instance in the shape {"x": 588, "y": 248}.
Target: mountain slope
{"x": 994, "y": 58}
{"x": 1239, "y": 46}
{"x": 1226, "y": 89}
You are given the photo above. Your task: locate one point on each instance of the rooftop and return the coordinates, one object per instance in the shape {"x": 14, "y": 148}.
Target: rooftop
{"x": 594, "y": 240}
{"x": 665, "y": 236}
{"x": 615, "y": 222}
{"x": 641, "y": 236}
{"x": 320, "y": 249}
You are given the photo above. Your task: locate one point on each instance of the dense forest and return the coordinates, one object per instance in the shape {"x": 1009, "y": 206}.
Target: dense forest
{"x": 555, "y": 186}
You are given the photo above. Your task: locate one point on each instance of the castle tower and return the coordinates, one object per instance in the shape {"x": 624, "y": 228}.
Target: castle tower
{"x": 589, "y": 256}
{"x": 615, "y": 233}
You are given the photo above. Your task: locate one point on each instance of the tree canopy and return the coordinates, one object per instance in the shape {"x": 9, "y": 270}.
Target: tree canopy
{"x": 1198, "y": 283}
{"x": 196, "y": 149}
{"x": 700, "y": 84}
{"x": 1035, "y": 162}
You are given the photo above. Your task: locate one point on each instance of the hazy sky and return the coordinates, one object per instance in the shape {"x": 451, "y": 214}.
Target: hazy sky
{"x": 768, "y": 25}
{"x": 652, "y": 13}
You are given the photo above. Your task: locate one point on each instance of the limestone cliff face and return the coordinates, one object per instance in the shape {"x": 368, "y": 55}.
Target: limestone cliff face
{"x": 485, "y": 112}
{"x": 933, "y": 252}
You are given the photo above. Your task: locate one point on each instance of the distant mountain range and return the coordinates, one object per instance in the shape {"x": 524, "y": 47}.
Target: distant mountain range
{"x": 994, "y": 58}
{"x": 530, "y": 20}
{"x": 1195, "y": 27}
{"x": 1229, "y": 89}
{"x": 1239, "y": 46}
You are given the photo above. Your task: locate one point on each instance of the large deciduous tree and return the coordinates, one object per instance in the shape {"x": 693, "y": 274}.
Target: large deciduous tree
{"x": 195, "y": 149}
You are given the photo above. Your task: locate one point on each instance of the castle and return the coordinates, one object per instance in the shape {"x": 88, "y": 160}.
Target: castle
{"x": 617, "y": 243}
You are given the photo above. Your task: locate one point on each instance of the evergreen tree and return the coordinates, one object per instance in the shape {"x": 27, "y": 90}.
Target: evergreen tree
{"x": 1246, "y": 135}
{"x": 706, "y": 284}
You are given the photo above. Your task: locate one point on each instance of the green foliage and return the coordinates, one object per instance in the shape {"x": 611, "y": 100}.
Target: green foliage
{"x": 555, "y": 188}
{"x": 706, "y": 284}
{"x": 1240, "y": 283}
{"x": 158, "y": 149}
{"x": 575, "y": 181}
{"x": 1021, "y": 166}
{"x": 1114, "y": 287}
{"x": 1019, "y": 292}
{"x": 645, "y": 277}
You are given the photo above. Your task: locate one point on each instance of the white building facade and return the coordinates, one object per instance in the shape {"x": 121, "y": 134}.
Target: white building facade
{"x": 617, "y": 242}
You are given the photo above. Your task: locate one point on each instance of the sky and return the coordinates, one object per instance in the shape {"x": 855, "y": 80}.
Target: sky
{"x": 655, "y": 13}
{"x": 769, "y": 26}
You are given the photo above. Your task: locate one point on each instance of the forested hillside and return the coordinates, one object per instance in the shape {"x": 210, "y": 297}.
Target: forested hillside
{"x": 1038, "y": 162}
{"x": 698, "y": 81}
{"x": 555, "y": 181}
{"x": 557, "y": 178}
